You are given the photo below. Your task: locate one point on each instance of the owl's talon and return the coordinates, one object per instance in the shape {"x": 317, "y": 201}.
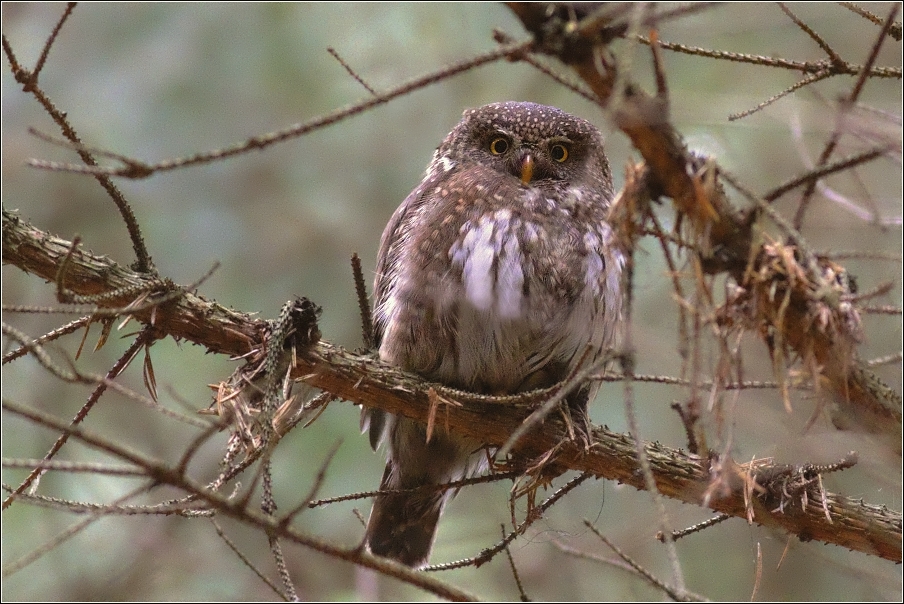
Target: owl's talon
{"x": 580, "y": 429}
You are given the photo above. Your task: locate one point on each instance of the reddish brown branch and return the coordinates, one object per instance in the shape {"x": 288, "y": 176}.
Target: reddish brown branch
{"x": 362, "y": 380}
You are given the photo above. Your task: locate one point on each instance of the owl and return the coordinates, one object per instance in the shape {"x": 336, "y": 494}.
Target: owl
{"x": 497, "y": 275}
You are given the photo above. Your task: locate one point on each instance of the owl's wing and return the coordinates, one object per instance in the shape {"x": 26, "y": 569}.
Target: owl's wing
{"x": 391, "y": 245}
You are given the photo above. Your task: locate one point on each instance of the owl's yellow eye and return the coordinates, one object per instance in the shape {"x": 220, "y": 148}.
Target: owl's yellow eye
{"x": 559, "y": 153}
{"x": 499, "y": 146}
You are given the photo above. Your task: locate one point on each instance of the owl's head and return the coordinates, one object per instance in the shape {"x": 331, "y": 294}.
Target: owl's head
{"x": 537, "y": 144}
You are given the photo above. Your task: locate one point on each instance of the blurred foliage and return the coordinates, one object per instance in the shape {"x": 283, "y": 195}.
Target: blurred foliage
{"x": 155, "y": 81}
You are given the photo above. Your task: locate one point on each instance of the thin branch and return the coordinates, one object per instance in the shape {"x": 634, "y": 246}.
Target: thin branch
{"x": 73, "y": 466}
{"x": 24, "y": 77}
{"x": 810, "y": 79}
{"x": 881, "y": 310}
{"x": 161, "y": 473}
{"x": 183, "y": 508}
{"x": 759, "y": 572}
{"x": 48, "y": 337}
{"x": 306, "y": 502}
{"x": 367, "y": 325}
{"x": 864, "y": 255}
{"x": 846, "y": 104}
{"x": 142, "y": 340}
{"x": 533, "y": 515}
{"x": 503, "y": 38}
{"x": 678, "y": 594}
{"x": 268, "y": 507}
{"x": 886, "y": 360}
{"x": 138, "y": 169}
{"x": 646, "y": 468}
{"x": 874, "y": 53}
{"x": 514, "y": 569}
{"x": 696, "y": 528}
{"x": 244, "y": 559}
{"x": 833, "y": 56}
{"x": 38, "y": 552}
{"x": 48, "y": 44}
{"x": 894, "y": 31}
{"x": 350, "y": 71}
{"x": 448, "y": 486}
{"x": 811, "y": 176}
{"x": 777, "y": 62}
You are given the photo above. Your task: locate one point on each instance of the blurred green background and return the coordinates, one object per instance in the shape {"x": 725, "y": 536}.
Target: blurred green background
{"x": 156, "y": 81}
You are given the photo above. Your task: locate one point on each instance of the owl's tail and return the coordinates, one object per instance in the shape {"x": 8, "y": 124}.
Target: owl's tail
{"x": 402, "y": 525}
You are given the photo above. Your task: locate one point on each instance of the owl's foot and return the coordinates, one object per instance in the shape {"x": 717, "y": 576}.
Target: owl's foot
{"x": 577, "y": 419}
{"x": 577, "y": 422}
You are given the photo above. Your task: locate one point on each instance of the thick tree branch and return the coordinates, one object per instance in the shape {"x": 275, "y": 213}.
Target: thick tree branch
{"x": 771, "y": 495}
{"x": 189, "y": 317}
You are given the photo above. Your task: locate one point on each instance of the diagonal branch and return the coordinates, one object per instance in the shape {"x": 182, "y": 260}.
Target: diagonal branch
{"x": 361, "y": 379}
{"x": 137, "y": 169}
{"x": 28, "y": 80}
{"x": 725, "y": 235}
{"x": 236, "y": 508}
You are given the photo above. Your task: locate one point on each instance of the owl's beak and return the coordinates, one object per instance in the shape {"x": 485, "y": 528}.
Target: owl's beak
{"x": 527, "y": 168}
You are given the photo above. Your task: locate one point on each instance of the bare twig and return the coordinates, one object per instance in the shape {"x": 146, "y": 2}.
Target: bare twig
{"x": 824, "y": 170}
{"x": 236, "y": 509}
{"x": 679, "y": 594}
{"x": 367, "y": 326}
{"x": 73, "y": 466}
{"x": 350, "y": 71}
{"x": 533, "y": 515}
{"x": 138, "y": 169}
{"x": 695, "y": 528}
{"x": 833, "y": 56}
{"x": 777, "y": 62}
{"x": 759, "y": 572}
{"x": 48, "y": 44}
{"x": 48, "y": 337}
{"x": 845, "y": 106}
{"x": 37, "y": 553}
{"x": 245, "y": 560}
{"x": 810, "y": 79}
{"x": 114, "y": 371}
{"x": 511, "y": 561}
{"x": 26, "y": 78}
{"x": 449, "y": 486}
{"x": 894, "y": 31}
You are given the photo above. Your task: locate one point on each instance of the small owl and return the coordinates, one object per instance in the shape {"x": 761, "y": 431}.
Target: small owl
{"x": 496, "y": 275}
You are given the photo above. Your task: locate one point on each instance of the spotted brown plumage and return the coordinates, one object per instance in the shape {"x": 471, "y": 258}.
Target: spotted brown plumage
{"x": 498, "y": 274}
